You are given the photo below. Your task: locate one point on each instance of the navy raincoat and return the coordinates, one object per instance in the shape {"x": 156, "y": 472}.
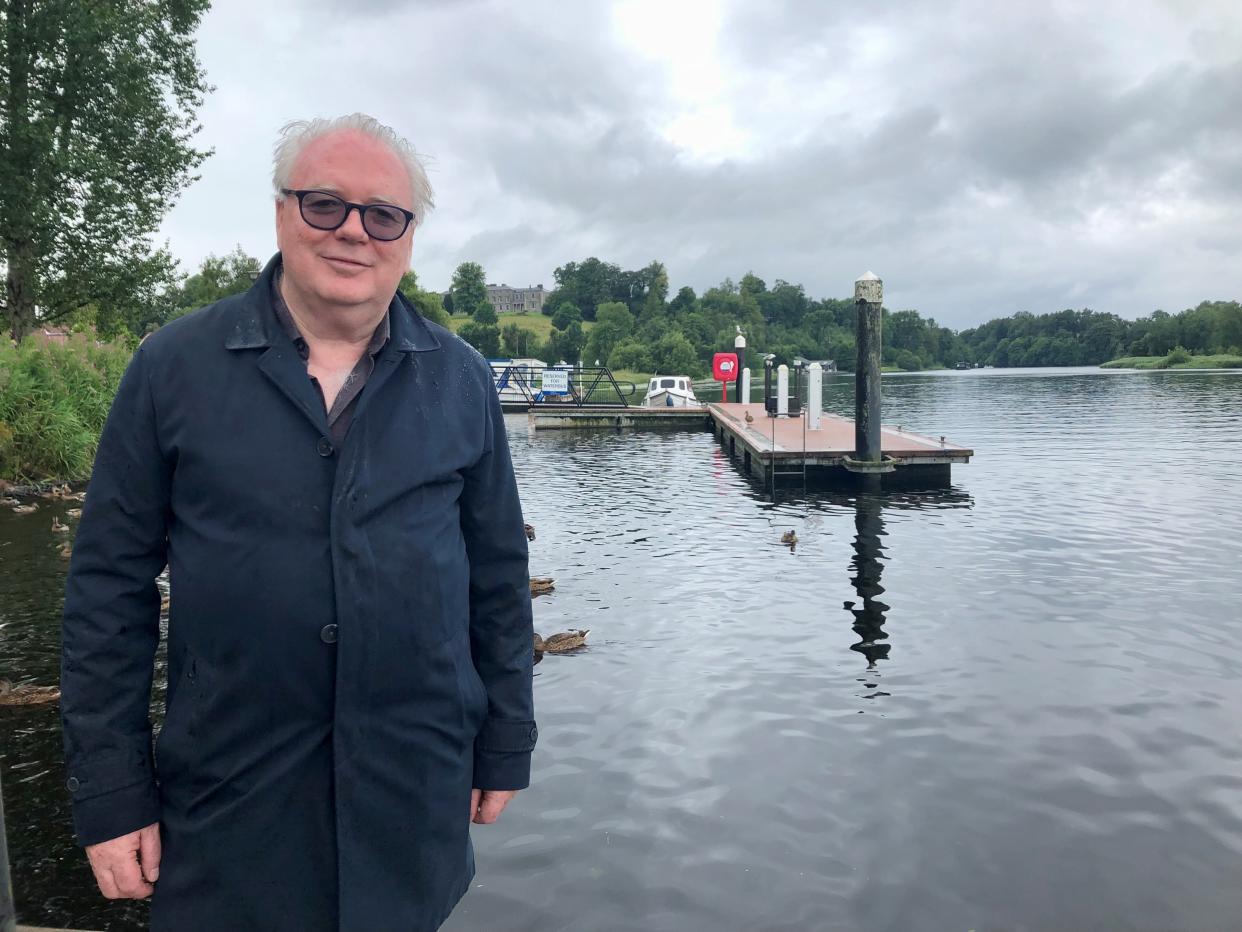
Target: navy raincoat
{"x": 349, "y": 647}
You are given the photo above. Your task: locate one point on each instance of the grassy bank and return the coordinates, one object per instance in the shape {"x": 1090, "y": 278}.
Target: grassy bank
{"x": 54, "y": 399}
{"x": 537, "y": 324}
{"x": 1176, "y": 360}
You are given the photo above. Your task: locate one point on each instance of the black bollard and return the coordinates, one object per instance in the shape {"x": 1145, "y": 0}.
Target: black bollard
{"x": 868, "y": 296}
{"x": 769, "y": 390}
{"x": 739, "y": 347}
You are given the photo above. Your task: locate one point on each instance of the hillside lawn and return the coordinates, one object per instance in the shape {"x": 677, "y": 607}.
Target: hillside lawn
{"x": 537, "y": 323}
{"x": 1221, "y": 361}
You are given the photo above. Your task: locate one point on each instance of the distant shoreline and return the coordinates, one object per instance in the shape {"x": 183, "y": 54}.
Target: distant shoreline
{"x": 1175, "y": 361}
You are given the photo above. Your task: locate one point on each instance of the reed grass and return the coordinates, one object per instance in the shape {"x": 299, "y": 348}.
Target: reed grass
{"x": 54, "y": 399}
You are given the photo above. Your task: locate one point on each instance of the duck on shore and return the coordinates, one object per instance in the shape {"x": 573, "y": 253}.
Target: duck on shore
{"x": 27, "y": 695}
{"x": 560, "y": 643}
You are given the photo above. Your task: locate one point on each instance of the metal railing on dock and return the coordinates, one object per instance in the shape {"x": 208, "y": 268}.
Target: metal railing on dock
{"x": 593, "y": 386}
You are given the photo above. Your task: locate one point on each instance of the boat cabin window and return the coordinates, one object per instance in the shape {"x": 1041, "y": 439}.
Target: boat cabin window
{"x": 668, "y": 383}
{"x": 681, "y": 383}
{"x": 653, "y": 384}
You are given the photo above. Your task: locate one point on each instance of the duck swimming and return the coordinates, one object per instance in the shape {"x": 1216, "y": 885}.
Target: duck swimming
{"x": 789, "y": 538}
{"x": 560, "y": 643}
{"x": 27, "y": 695}
{"x": 541, "y": 585}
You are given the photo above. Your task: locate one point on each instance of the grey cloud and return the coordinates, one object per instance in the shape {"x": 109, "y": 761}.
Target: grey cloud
{"x": 985, "y": 159}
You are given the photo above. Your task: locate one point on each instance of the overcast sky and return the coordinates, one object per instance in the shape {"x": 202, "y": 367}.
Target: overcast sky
{"x": 982, "y": 158}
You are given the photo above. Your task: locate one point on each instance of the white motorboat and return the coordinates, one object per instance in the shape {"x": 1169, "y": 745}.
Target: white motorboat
{"x": 671, "y": 391}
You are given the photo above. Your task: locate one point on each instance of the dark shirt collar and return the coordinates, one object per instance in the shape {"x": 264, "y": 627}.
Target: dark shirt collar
{"x": 252, "y": 320}
{"x": 378, "y": 338}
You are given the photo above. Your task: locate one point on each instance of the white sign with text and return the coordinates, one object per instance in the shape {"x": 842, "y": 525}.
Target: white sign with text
{"x": 556, "y": 381}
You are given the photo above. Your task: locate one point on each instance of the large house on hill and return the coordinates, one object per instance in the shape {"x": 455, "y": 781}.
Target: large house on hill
{"x": 507, "y": 299}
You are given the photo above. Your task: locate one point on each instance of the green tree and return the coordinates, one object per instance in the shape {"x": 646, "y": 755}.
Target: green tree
{"x": 516, "y": 340}
{"x": 684, "y": 301}
{"x": 753, "y": 285}
{"x": 674, "y": 354}
{"x": 428, "y": 303}
{"x": 96, "y": 123}
{"x": 469, "y": 289}
{"x": 586, "y": 284}
{"x": 566, "y": 314}
{"x": 656, "y": 283}
{"x": 483, "y": 337}
{"x": 630, "y": 355}
{"x": 566, "y": 344}
{"x": 485, "y": 313}
{"x": 613, "y": 323}
{"x": 217, "y": 277}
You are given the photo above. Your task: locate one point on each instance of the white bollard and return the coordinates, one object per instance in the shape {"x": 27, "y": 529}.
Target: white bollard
{"x": 782, "y": 390}
{"x": 746, "y": 386}
{"x": 814, "y": 395}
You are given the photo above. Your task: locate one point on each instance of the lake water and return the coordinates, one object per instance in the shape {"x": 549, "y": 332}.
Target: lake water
{"x": 1013, "y": 704}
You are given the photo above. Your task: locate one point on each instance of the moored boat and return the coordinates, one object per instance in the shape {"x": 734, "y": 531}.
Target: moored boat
{"x": 671, "y": 391}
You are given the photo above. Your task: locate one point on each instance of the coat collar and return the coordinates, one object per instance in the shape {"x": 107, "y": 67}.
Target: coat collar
{"x": 255, "y": 326}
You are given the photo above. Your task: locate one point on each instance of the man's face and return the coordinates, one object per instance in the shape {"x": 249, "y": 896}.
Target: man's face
{"x": 345, "y": 267}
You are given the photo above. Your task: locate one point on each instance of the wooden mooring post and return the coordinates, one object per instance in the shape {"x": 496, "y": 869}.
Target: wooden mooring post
{"x": 868, "y": 296}
{"x": 868, "y": 461}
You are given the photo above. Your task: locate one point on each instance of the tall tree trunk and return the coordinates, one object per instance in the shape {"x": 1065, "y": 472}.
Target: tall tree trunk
{"x": 19, "y": 252}
{"x": 19, "y": 291}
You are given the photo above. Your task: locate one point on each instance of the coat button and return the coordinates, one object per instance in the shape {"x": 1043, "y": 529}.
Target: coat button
{"x": 324, "y": 446}
{"x": 534, "y": 734}
{"x": 72, "y": 785}
{"x": 327, "y": 634}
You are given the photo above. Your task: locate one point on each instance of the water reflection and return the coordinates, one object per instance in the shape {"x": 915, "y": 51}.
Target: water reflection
{"x": 866, "y": 567}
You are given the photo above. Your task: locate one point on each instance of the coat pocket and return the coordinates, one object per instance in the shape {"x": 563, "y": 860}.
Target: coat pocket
{"x": 178, "y": 737}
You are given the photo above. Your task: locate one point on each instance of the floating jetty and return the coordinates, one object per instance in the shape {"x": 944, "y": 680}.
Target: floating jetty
{"x": 777, "y": 448}
{"x": 783, "y": 439}
{"x": 586, "y": 417}
{"x": 787, "y": 448}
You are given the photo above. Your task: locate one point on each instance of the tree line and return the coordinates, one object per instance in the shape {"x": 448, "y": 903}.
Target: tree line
{"x": 638, "y": 327}
{"x": 633, "y": 324}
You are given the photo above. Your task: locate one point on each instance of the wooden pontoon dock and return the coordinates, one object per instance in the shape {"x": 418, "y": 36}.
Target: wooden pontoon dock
{"x": 585, "y": 417}
{"x": 775, "y": 448}
{"x": 784, "y": 447}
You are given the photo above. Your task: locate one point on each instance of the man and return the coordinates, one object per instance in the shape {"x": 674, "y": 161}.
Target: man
{"x": 327, "y": 476}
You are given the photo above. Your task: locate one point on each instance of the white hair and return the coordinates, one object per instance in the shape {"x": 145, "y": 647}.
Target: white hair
{"x": 297, "y": 135}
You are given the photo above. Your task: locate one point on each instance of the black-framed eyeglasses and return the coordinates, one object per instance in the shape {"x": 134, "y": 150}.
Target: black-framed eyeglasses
{"x": 326, "y": 211}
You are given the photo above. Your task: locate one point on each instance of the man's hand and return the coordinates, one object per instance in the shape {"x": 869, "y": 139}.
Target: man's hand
{"x": 126, "y": 867}
{"x": 487, "y": 805}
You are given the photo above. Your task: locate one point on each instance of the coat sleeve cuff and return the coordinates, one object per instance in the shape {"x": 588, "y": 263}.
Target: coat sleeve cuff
{"x": 502, "y": 753}
{"x": 113, "y": 795}
{"x": 114, "y": 814}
